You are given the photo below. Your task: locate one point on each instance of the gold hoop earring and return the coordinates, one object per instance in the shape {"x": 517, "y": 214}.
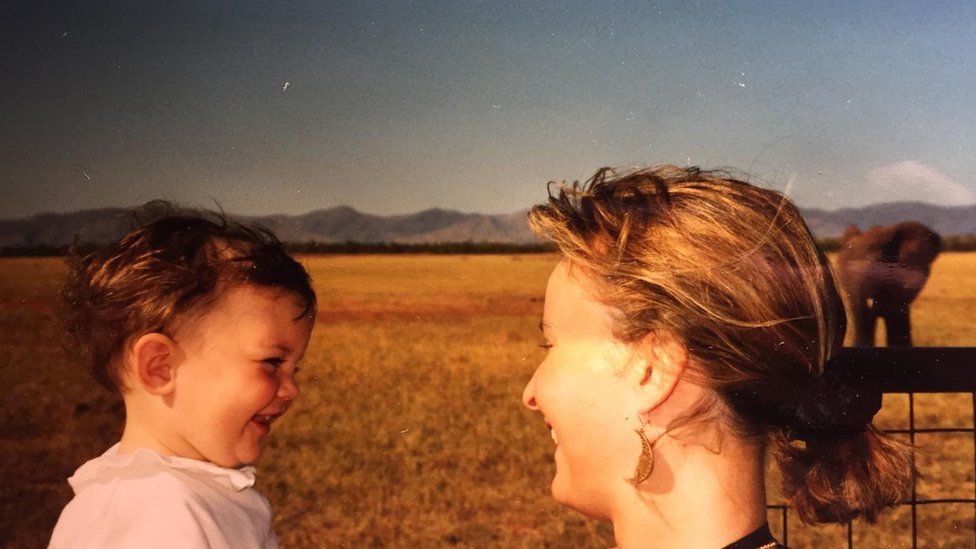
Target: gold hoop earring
{"x": 645, "y": 464}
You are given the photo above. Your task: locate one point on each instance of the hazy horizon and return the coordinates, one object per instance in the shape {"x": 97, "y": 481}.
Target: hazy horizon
{"x": 408, "y": 213}
{"x": 393, "y": 108}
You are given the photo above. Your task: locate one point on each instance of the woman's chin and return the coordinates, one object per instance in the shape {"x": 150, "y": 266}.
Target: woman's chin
{"x": 587, "y": 506}
{"x": 559, "y": 492}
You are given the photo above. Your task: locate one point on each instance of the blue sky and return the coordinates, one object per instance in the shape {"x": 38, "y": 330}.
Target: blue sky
{"x": 393, "y": 107}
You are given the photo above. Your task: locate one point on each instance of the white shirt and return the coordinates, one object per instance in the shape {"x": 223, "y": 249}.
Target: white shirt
{"x": 146, "y": 500}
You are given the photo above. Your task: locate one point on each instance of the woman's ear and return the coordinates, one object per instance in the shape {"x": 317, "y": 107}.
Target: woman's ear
{"x": 153, "y": 359}
{"x": 662, "y": 359}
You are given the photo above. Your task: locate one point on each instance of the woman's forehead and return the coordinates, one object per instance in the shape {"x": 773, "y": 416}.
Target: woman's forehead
{"x": 571, "y": 303}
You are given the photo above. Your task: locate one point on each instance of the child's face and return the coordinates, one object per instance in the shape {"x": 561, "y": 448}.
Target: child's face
{"x": 237, "y": 375}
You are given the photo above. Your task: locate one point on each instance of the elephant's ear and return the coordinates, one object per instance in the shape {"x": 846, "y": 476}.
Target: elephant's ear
{"x": 850, "y": 232}
{"x": 891, "y": 246}
{"x": 913, "y": 243}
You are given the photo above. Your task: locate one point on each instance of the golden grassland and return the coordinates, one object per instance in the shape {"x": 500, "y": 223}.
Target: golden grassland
{"x": 410, "y": 430}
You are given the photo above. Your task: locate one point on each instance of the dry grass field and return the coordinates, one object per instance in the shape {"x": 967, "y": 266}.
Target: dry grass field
{"x": 410, "y": 431}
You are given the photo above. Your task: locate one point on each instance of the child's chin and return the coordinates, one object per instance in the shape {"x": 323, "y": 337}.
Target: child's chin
{"x": 249, "y": 456}
{"x": 238, "y": 457}
{"x": 230, "y": 461}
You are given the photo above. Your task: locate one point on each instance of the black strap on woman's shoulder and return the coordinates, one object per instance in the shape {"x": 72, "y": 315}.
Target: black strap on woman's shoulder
{"x": 761, "y": 537}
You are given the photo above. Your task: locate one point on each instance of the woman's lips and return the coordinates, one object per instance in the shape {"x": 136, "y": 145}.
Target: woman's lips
{"x": 552, "y": 432}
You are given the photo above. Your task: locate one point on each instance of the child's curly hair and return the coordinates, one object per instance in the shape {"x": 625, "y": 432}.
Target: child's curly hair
{"x": 163, "y": 273}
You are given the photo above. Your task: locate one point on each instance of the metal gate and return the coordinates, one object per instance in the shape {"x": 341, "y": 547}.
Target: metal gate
{"x": 911, "y": 371}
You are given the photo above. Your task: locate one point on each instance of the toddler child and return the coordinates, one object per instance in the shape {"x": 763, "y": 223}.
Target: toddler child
{"x": 200, "y": 325}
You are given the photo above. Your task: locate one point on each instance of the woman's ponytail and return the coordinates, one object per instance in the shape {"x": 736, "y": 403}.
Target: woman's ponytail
{"x": 838, "y": 479}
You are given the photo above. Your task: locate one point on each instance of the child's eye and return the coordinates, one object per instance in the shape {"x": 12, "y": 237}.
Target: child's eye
{"x": 274, "y": 362}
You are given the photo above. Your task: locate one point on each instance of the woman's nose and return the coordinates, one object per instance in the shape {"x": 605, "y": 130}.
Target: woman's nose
{"x": 528, "y": 395}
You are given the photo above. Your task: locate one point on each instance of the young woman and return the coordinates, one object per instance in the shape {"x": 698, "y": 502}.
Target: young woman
{"x": 690, "y": 328}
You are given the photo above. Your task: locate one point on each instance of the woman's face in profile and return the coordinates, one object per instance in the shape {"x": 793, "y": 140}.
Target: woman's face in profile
{"x": 582, "y": 391}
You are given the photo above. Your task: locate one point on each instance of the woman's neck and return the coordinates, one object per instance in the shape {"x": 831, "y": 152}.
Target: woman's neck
{"x": 695, "y": 497}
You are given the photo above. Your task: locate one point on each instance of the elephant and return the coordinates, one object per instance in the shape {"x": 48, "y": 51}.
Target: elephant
{"x": 882, "y": 270}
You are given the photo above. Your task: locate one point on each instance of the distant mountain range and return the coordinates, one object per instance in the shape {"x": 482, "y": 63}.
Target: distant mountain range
{"x": 945, "y": 220}
{"x": 340, "y": 224}
{"x": 345, "y": 224}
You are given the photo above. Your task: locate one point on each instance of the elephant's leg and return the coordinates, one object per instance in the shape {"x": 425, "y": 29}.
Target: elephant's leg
{"x": 864, "y": 321}
{"x": 893, "y": 301}
{"x": 898, "y": 327}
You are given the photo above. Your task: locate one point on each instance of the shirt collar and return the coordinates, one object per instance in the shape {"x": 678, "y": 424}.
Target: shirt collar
{"x": 236, "y": 479}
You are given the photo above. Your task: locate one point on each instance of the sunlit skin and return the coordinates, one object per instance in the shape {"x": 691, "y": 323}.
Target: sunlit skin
{"x": 585, "y": 397}
{"x": 594, "y": 390}
{"x": 213, "y": 391}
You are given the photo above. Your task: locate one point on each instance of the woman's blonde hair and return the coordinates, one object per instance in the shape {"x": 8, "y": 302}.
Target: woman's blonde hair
{"x": 733, "y": 271}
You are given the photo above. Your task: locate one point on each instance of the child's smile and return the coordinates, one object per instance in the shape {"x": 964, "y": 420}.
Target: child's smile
{"x": 238, "y": 374}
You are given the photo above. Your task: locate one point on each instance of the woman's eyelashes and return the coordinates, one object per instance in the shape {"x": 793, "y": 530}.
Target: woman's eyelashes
{"x": 545, "y": 345}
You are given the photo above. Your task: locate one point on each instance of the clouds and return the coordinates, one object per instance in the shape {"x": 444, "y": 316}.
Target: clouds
{"x": 913, "y": 181}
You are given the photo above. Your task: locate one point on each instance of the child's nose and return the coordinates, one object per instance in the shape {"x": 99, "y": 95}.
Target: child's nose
{"x": 288, "y": 389}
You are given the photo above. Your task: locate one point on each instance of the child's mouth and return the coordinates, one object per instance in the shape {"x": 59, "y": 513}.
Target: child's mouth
{"x": 265, "y": 420}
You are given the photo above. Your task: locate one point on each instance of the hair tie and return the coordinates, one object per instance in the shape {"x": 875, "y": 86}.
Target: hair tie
{"x": 839, "y": 406}
{"x": 833, "y": 405}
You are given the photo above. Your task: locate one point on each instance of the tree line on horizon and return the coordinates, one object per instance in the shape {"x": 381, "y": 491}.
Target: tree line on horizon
{"x": 956, "y": 243}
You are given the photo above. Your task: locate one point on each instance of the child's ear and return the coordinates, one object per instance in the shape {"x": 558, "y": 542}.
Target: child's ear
{"x": 154, "y": 359}
{"x": 661, "y": 361}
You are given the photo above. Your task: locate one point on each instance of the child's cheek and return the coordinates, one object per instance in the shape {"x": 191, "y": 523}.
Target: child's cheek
{"x": 255, "y": 390}
{"x": 267, "y": 387}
